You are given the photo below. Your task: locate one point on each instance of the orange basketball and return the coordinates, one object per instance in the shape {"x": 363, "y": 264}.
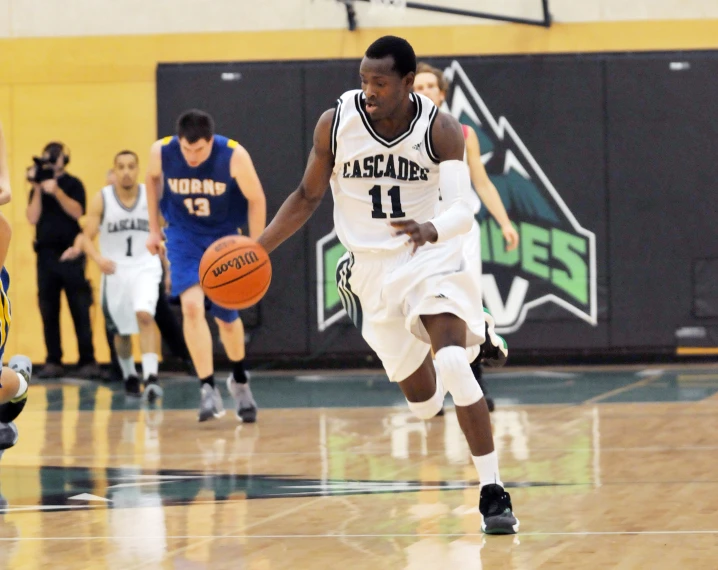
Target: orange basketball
{"x": 235, "y": 272}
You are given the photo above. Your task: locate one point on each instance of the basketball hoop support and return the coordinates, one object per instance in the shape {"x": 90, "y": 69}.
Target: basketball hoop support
{"x": 545, "y": 22}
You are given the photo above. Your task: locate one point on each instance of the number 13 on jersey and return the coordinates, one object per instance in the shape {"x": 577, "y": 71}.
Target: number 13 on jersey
{"x": 197, "y": 206}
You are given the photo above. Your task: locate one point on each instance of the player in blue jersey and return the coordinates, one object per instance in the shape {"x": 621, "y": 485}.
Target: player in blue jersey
{"x": 15, "y": 377}
{"x": 205, "y": 187}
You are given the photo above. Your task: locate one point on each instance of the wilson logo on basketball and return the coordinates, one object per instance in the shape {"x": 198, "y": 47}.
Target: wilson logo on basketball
{"x": 240, "y": 261}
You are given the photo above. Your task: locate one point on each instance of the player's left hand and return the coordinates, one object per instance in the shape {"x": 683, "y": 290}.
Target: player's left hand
{"x": 511, "y": 236}
{"x": 418, "y": 234}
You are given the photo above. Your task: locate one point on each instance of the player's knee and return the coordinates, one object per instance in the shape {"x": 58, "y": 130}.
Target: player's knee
{"x": 144, "y": 319}
{"x": 192, "y": 309}
{"x": 428, "y": 409}
{"x": 452, "y": 365}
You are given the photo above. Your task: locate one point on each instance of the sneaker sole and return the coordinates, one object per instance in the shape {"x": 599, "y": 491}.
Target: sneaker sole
{"x": 499, "y": 529}
{"x": 247, "y": 415}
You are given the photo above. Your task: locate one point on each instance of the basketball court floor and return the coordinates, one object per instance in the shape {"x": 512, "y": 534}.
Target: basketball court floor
{"x": 607, "y": 468}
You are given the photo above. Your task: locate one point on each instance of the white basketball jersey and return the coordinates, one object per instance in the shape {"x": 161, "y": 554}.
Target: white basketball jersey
{"x": 376, "y": 181}
{"x": 124, "y": 231}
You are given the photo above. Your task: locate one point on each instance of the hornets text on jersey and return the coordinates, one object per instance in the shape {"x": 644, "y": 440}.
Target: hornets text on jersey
{"x": 206, "y": 199}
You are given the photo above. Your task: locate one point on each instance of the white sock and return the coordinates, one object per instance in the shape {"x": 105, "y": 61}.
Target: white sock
{"x": 149, "y": 365}
{"x": 488, "y": 468}
{"x": 128, "y": 367}
{"x": 23, "y": 386}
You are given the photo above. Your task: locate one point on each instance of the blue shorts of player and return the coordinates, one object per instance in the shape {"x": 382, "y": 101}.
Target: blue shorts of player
{"x": 5, "y": 313}
{"x": 184, "y": 252}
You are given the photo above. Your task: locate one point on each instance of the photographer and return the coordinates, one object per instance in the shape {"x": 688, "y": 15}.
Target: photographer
{"x": 57, "y": 201}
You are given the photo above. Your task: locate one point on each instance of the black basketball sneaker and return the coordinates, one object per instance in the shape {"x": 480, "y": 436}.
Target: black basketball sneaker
{"x": 496, "y": 511}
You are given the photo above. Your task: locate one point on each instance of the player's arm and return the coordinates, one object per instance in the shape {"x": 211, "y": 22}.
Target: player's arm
{"x": 153, "y": 183}
{"x": 448, "y": 142}
{"x": 301, "y": 204}
{"x": 243, "y": 171}
{"x": 487, "y": 192}
{"x": 84, "y": 240}
{"x": 5, "y": 192}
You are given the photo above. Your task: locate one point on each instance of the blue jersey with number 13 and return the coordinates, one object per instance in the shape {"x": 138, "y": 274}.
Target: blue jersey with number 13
{"x": 203, "y": 200}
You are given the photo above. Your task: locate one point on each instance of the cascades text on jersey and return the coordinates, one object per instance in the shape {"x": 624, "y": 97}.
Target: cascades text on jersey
{"x": 385, "y": 166}
{"x": 128, "y": 224}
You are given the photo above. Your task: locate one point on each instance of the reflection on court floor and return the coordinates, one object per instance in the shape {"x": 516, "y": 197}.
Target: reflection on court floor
{"x": 607, "y": 468}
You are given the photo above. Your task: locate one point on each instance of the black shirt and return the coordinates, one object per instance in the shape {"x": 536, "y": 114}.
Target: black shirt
{"x": 56, "y": 230}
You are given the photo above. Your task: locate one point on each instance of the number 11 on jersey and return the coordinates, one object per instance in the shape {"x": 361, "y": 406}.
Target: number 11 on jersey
{"x": 395, "y": 194}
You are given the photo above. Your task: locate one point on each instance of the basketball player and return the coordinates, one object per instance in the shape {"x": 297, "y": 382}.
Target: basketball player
{"x": 131, "y": 275}
{"x": 386, "y": 151}
{"x": 206, "y": 187}
{"x": 430, "y": 81}
{"x": 15, "y": 377}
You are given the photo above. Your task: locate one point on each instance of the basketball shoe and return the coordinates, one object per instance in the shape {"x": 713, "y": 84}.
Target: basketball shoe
{"x": 210, "y": 404}
{"x": 495, "y": 350}
{"x": 153, "y": 391}
{"x": 8, "y": 436}
{"x": 242, "y": 394}
{"x": 496, "y": 511}
{"x": 10, "y": 410}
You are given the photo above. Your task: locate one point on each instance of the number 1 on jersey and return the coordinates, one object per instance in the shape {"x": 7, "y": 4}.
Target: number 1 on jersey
{"x": 395, "y": 194}
{"x": 129, "y": 247}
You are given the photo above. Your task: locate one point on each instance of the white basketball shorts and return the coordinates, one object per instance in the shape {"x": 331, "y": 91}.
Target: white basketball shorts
{"x": 128, "y": 291}
{"x": 386, "y": 293}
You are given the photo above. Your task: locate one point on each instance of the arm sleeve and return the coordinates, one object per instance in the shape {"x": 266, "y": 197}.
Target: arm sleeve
{"x": 458, "y": 216}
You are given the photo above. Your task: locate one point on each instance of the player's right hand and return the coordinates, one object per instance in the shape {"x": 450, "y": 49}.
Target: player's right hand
{"x": 154, "y": 243}
{"x": 107, "y": 266}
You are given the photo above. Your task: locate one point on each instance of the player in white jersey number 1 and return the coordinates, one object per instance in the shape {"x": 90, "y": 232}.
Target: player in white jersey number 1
{"x": 430, "y": 81}
{"x": 131, "y": 275}
{"x": 386, "y": 151}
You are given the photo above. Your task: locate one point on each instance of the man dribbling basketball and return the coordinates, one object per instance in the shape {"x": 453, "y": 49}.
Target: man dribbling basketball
{"x": 386, "y": 151}
{"x": 206, "y": 187}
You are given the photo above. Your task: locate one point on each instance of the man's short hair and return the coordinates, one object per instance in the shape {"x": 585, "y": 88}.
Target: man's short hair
{"x": 399, "y": 49}
{"x": 124, "y": 152}
{"x": 194, "y": 125}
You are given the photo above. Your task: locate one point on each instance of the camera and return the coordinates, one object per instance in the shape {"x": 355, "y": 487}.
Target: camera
{"x": 42, "y": 169}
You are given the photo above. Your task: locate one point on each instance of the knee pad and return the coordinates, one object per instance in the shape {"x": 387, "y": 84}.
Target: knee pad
{"x": 452, "y": 363}
{"x": 428, "y": 409}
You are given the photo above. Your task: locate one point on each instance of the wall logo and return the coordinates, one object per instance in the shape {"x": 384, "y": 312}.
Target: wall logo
{"x": 556, "y": 261}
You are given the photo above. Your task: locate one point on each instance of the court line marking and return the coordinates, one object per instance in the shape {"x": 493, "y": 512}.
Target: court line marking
{"x": 340, "y": 536}
{"x": 627, "y": 388}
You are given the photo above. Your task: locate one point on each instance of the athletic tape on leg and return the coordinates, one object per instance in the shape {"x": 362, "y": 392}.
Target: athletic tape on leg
{"x": 453, "y": 366}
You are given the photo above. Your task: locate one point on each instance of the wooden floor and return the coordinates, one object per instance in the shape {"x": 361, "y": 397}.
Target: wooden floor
{"x": 620, "y": 471}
